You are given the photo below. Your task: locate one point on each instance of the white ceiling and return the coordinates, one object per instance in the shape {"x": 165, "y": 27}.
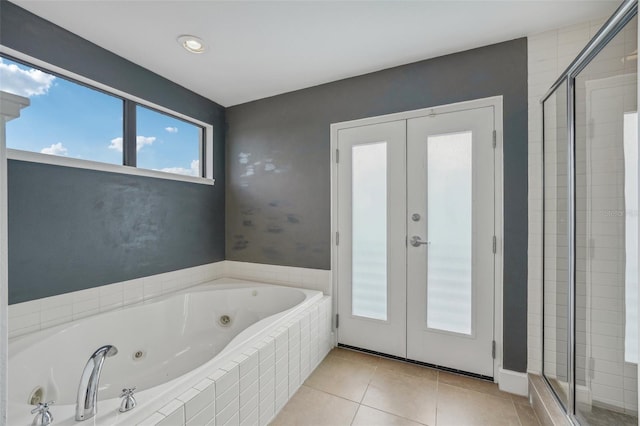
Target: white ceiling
{"x": 258, "y": 49}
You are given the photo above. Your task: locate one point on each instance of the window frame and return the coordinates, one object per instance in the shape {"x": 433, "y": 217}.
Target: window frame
{"x": 129, "y": 102}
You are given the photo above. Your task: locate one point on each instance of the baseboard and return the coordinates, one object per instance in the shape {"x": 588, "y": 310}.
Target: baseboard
{"x": 513, "y": 382}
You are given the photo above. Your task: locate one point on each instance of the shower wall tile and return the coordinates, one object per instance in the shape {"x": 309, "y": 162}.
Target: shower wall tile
{"x": 612, "y": 382}
{"x": 549, "y": 53}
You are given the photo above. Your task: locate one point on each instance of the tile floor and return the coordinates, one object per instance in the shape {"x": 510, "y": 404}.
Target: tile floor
{"x": 353, "y": 388}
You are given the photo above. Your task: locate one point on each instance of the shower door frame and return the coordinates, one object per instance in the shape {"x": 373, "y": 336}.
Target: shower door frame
{"x": 497, "y": 103}
{"x": 625, "y": 13}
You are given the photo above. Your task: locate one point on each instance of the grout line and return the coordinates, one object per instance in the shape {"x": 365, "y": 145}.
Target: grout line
{"x": 437, "y": 399}
{"x": 395, "y": 415}
{"x": 355, "y": 415}
{"x": 517, "y": 413}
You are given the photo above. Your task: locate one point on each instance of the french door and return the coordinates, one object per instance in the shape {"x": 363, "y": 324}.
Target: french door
{"x": 416, "y": 233}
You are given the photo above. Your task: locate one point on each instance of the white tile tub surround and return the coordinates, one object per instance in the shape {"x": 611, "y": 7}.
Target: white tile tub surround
{"x": 43, "y": 313}
{"x": 310, "y": 279}
{"x": 253, "y": 387}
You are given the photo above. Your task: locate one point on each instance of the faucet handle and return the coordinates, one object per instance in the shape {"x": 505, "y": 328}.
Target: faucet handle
{"x": 128, "y": 401}
{"x": 42, "y": 408}
{"x": 127, "y": 392}
{"x": 43, "y": 416}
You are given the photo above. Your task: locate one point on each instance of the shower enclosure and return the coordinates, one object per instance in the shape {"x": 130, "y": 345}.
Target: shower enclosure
{"x": 590, "y": 229}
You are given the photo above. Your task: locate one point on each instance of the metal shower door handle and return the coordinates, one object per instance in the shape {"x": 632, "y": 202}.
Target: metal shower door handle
{"x": 417, "y": 242}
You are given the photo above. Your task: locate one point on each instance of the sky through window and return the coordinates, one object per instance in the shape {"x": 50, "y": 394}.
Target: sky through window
{"x": 72, "y": 120}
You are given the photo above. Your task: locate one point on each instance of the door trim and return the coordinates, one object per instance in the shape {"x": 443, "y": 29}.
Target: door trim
{"x": 496, "y": 103}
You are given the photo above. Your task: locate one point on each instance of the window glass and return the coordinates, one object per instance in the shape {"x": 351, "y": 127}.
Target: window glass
{"x": 65, "y": 118}
{"x": 167, "y": 144}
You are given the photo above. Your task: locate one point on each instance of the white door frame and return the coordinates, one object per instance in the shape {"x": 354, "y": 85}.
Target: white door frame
{"x": 496, "y": 103}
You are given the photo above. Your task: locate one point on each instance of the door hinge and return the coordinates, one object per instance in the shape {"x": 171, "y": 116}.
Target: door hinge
{"x": 495, "y": 138}
{"x": 337, "y": 155}
{"x": 493, "y": 349}
{"x": 495, "y": 244}
{"x": 337, "y": 320}
{"x": 337, "y": 238}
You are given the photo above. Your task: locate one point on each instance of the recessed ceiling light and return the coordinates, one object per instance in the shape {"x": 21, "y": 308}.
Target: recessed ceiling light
{"x": 191, "y": 43}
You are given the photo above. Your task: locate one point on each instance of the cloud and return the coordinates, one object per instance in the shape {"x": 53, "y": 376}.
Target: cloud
{"x": 171, "y": 129}
{"x": 193, "y": 171}
{"x": 144, "y": 140}
{"x": 24, "y": 82}
{"x": 116, "y": 144}
{"x": 55, "y": 149}
{"x": 141, "y": 141}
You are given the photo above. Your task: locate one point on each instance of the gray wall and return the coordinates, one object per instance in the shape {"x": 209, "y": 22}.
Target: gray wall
{"x": 278, "y": 162}
{"x": 71, "y": 229}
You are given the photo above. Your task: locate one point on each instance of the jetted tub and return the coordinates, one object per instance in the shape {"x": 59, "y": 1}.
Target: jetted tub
{"x": 163, "y": 345}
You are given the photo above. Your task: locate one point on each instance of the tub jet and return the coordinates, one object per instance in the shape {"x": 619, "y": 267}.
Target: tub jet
{"x": 36, "y": 396}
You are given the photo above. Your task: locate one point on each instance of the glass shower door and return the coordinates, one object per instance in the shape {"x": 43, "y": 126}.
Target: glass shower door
{"x": 556, "y": 245}
{"x": 590, "y": 270}
{"x": 606, "y": 245}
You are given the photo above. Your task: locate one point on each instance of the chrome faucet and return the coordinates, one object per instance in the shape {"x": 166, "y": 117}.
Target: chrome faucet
{"x": 87, "y": 402}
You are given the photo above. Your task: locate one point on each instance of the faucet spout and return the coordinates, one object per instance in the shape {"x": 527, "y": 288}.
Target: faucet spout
{"x": 87, "y": 402}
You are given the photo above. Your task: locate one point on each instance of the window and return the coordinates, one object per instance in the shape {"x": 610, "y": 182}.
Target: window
{"x": 167, "y": 144}
{"x": 64, "y": 118}
{"x": 72, "y": 122}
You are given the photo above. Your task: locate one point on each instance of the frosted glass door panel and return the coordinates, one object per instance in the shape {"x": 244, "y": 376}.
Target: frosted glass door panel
{"x": 369, "y": 231}
{"x": 450, "y": 277}
{"x": 371, "y": 261}
{"x": 449, "y": 230}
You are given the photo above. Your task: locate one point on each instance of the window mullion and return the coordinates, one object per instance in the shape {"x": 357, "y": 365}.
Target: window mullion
{"x": 129, "y": 145}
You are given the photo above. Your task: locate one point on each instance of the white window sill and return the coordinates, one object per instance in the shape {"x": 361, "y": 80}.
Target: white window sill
{"x": 56, "y": 160}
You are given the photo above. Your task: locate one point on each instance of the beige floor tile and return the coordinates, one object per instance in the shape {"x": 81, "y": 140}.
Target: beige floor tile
{"x": 408, "y": 368}
{"x": 342, "y": 377}
{"x": 520, "y": 400}
{"x": 458, "y": 406}
{"x": 471, "y": 384}
{"x": 367, "y": 416}
{"x": 413, "y": 398}
{"x": 310, "y": 407}
{"x": 354, "y": 356}
{"x": 526, "y": 415}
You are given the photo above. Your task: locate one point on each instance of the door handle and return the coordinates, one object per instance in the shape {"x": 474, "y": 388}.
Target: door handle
{"x": 417, "y": 242}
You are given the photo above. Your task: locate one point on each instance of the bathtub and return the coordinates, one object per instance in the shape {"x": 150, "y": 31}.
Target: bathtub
{"x": 166, "y": 346}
